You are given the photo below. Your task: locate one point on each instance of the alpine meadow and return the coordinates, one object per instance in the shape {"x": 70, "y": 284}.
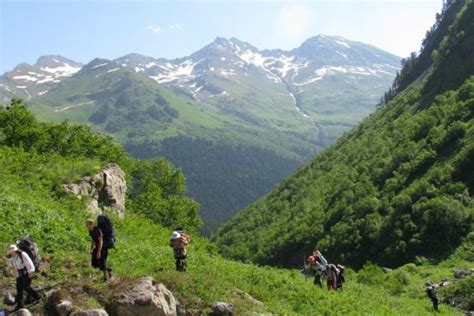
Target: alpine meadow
{"x": 334, "y": 178}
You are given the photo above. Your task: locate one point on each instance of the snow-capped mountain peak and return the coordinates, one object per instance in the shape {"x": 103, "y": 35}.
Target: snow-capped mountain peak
{"x": 27, "y": 80}
{"x": 232, "y": 60}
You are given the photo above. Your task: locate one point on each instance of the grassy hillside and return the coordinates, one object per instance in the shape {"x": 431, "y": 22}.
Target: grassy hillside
{"x": 33, "y": 202}
{"x": 396, "y": 187}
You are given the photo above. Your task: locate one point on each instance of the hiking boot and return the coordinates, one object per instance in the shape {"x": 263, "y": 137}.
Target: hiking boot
{"x": 32, "y": 300}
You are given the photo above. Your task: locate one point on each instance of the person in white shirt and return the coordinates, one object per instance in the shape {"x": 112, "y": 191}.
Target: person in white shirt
{"x": 23, "y": 269}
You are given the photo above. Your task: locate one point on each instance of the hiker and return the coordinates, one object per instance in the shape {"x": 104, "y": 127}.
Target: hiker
{"x": 341, "y": 278}
{"x": 331, "y": 276}
{"x": 23, "y": 270}
{"x": 431, "y": 292}
{"x": 179, "y": 242}
{"x": 315, "y": 267}
{"x": 99, "y": 252}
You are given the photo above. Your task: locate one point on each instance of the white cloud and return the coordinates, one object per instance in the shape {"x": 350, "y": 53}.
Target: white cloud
{"x": 154, "y": 28}
{"x": 295, "y": 21}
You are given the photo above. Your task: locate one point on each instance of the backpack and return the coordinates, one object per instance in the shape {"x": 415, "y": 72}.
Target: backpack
{"x": 183, "y": 233}
{"x": 105, "y": 225}
{"x": 27, "y": 245}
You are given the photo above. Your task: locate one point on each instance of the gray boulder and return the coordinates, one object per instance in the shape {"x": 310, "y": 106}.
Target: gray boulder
{"x": 387, "y": 270}
{"x": 8, "y": 299}
{"x": 91, "y": 312}
{"x": 222, "y": 309}
{"x": 64, "y": 308}
{"x": 249, "y": 298}
{"x": 462, "y": 273}
{"x": 144, "y": 298}
{"x": 107, "y": 188}
{"x": 22, "y": 312}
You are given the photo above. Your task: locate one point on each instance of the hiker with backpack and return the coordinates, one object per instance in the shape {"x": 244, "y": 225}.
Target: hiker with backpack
{"x": 316, "y": 267}
{"x": 179, "y": 242}
{"x": 23, "y": 270}
{"x": 341, "y": 278}
{"x": 331, "y": 277}
{"x": 100, "y": 244}
{"x": 431, "y": 292}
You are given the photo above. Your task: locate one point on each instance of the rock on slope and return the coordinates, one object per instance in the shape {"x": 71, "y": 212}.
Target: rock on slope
{"x": 106, "y": 189}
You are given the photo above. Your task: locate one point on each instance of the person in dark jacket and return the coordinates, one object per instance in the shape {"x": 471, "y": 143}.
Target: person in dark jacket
{"x": 341, "y": 278}
{"x": 24, "y": 269}
{"x": 99, "y": 252}
{"x": 331, "y": 276}
{"x": 431, "y": 292}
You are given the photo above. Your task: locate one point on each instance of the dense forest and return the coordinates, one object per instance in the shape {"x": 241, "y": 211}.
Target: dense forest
{"x": 396, "y": 188}
{"x": 222, "y": 176}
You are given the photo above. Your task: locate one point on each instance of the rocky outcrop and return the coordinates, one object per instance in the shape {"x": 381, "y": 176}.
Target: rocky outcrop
{"x": 462, "y": 273}
{"x": 64, "y": 308}
{"x": 8, "y": 299}
{"x": 222, "y": 309}
{"x": 22, "y": 312}
{"x": 144, "y": 298}
{"x": 246, "y": 296}
{"x": 387, "y": 270}
{"x": 91, "y": 312}
{"x": 105, "y": 190}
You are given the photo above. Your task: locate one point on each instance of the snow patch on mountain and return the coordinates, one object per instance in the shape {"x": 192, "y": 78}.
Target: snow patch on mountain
{"x": 342, "y": 54}
{"x": 62, "y": 71}
{"x": 258, "y": 60}
{"x": 229, "y": 72}
{"x": 342, "y": 43}
{"x": 182, "y": 72}
{"x": 25, "y": 78}
{"x": 62, "y": 109}
{"x": 99, "y": 65}
{"x": 46, "y": 79}
{"x": 328, "y": 70}
{"x": 222, "y": 94}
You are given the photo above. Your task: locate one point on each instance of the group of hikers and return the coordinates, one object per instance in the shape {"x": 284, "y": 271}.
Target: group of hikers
{"x": 25, "y": 259}
{"x": 318, "y": 266}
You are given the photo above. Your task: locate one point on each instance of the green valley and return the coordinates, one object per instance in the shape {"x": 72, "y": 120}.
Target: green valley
{"x": 395, "y": 188}
{"x": 266, "y": 111}
{"x": 33, "y": 202}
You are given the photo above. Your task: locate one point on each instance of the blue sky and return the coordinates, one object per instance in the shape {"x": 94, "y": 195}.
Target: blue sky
{"x": 83, "y": 30}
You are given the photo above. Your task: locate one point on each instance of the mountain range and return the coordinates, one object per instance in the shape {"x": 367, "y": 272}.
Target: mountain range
{"x": 236, "y": 119}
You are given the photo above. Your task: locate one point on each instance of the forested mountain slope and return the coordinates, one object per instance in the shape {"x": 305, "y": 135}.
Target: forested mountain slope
{"x": 37, "y": 159}
{"x": 396, "y": 187}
